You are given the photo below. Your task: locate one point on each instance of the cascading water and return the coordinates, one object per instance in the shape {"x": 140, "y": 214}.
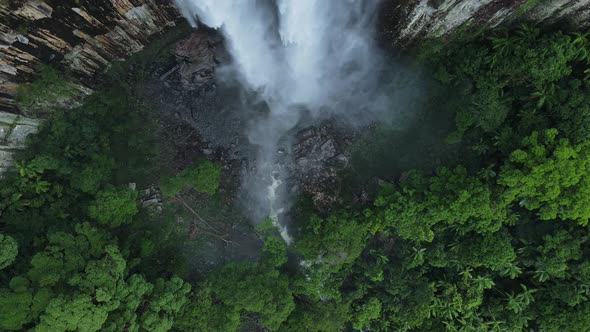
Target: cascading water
{"x": 312, "y": 56}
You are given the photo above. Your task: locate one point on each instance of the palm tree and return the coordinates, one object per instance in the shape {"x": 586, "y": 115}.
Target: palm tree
{"x": 514, "y": 304}
{"x": 512, "y": 270}
{"x": 459, "y": 230}
{"x": 444, "y": 309}
{"x": 526, "y": 34}
{"x": 495, "y": 325}
{"x": 527, "y": 295}
{"x": 482, "y": 282}
{"x": 582, "y": 42}
{"x": 541, "y": 275}
{"x": 517, "y": 303}
{"x": 481, "y": 148}
{"x": 512, "y": 219}
{"x": 418, "y": 255}
{"x": 545, "y": 96}
{"x": 487, "y": 173}
{"x": 466, "y": 274}
{"x": 529, "y": 118}
{"x": 502, "y": 44}
{"x": 580, "y": 296}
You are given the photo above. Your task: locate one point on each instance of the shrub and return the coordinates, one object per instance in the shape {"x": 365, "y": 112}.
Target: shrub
{"x": 49, "y": 88}
{"x": 114, "y": 206}
{"x": 202, "y": 176}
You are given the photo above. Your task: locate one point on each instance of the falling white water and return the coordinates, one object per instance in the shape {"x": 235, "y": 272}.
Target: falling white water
{"x": 298, "y": 55}
{"x": 276, "y": 211}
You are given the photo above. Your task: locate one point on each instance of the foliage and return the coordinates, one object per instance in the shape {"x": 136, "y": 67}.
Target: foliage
{"x": 329, "y": 246}
{"x": 8, "y": 251}
{"x": 100, "y": 293}
{"x": 317, "y": 316}
{"x": 76, "y": 313}
{"x": 202, "y": 314}
{"x": 249, "y": 288}
{"x": 202, "y": 176}
{"x": 551, "y": 175}
{"x": 49, "y": 88}
{"x": 274, "y": 249}
{"x": 114, "y": 206}
{"x": 366, "y": 312}
{"x": 336, "y": 240}
{"x": 166, "y": 302}
{"x": 451, "y": 197}
{"x": 521, "y": 80}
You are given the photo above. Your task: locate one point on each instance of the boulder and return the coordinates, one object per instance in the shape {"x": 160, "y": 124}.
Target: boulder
{"x": 19, "y": 134}
{"x": 34, "y": 10}
{"x": 6, "y": 159}
{"x": 317, "y": 154}
{"x": 197, "y": 58}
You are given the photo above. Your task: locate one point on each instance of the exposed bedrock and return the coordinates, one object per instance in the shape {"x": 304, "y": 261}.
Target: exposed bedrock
{"x": 409, "y": 21}
{"x": 82, "y": 37}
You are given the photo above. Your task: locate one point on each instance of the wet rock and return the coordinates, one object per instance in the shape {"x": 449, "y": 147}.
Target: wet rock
{"x": 342, "y": 159}
{"x": 315, "y": 146}
{"x": 19, "y": 134}
{"x": 6, "y": 159}
{"x": 151, "y": 199}
{"x": 4, "y": 131}
{"x": 34, "y": 10}
{"x": 318, "y": 154}
{"x": 196, "y": 57}
{"x": 169, "y": 72}
{"x": 14, "y": 130}
{"x": 327, "y": 150}
{"x": 11, "y": 37}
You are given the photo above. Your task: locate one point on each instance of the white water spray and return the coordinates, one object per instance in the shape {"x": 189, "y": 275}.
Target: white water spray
{"x": 315, "y": 56}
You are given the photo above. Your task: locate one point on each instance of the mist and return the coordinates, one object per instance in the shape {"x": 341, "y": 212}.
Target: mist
{"x": 305, "y": 58}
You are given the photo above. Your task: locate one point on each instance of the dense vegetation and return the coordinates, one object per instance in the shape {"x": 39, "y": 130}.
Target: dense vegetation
{"x": 48, "y": 89}
{"x": 496, "y": 241}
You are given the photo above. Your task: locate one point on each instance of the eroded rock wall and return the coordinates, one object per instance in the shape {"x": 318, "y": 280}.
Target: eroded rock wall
{"x": 82, "y": 36}
{"x": 409, "y": 21}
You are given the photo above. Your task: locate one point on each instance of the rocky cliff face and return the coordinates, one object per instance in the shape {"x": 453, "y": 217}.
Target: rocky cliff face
{"x": 408, "y": 21}
{"x": 81, "y": 36}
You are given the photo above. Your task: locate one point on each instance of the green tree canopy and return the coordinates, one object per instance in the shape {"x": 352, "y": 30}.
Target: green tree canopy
{"x": 8, "y": 251}
{"x": 114, "y": 206}
{"x": 450, "y": 197}
{"x": 550, "y": 175}
{"x": 202, "y": 176}
{"x": 246, "y": 287}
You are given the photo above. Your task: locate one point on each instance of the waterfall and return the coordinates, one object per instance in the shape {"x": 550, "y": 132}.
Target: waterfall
{"x": 313, "y": 56}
